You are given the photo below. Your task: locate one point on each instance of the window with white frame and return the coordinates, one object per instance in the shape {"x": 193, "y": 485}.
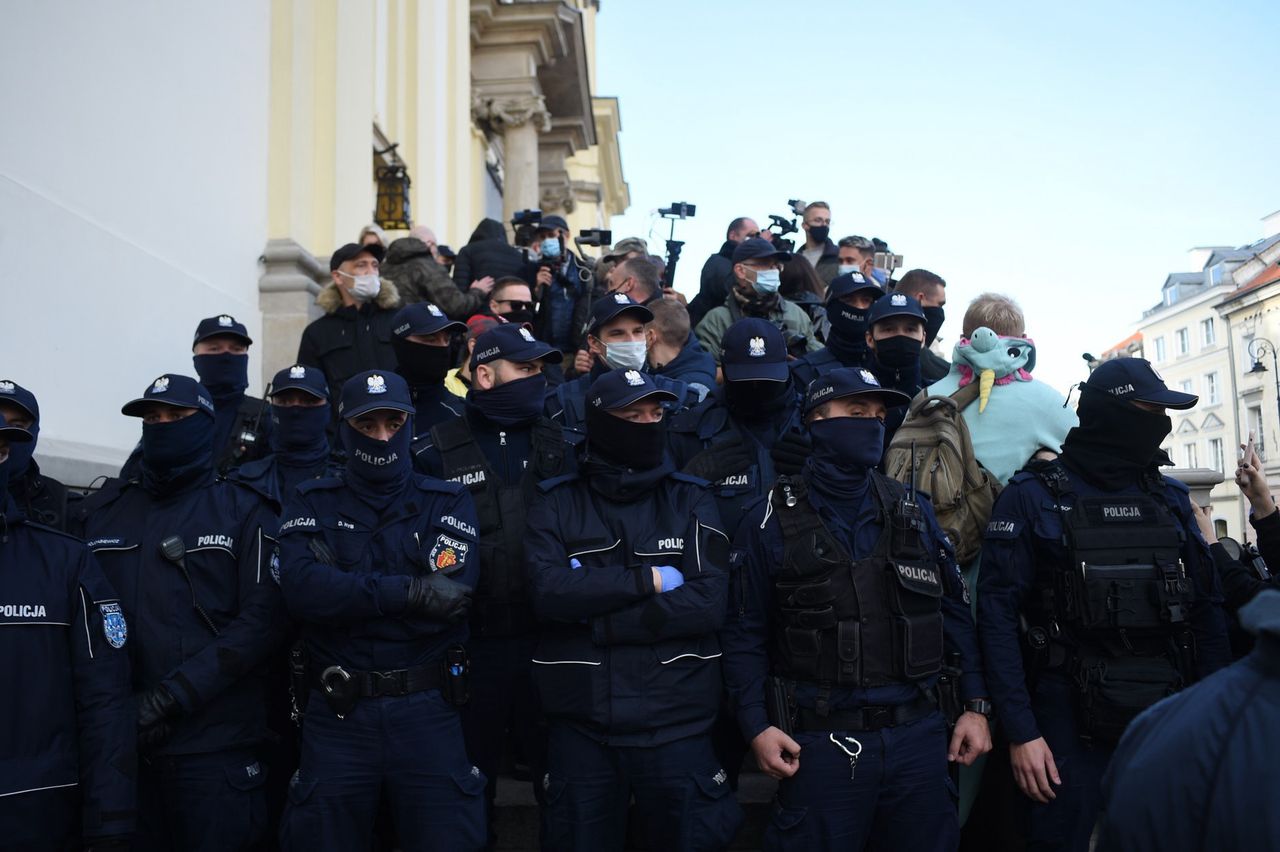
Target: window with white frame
{"x": 1190, "y": 457}
{"x": 1216, "y": 460}
{"x": 1186, "y": 386}
{"x": 1211, "y": 388}
{"x": 1159, "y": 349}
{"x": 1206, "y": 332}
{"x": 1183, "y": 341}
{"x": 1255, "y": 428}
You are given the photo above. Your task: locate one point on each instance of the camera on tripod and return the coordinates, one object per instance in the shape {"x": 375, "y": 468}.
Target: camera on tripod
{"x": 594, "y": 237}
{"x": 678, "y": 210}
{"x": 525, "y": 223}
{"x": 780, "y": 228}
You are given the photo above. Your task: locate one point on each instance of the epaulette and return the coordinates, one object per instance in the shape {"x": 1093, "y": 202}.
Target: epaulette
{"x": 546, "y": 485}
{"x": 324, "y": 483}
{"x": 440, "y": 486}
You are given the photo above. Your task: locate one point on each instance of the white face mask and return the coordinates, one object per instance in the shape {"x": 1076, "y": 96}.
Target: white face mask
{"x": 845, "y": 270}
{"x": 364, "y": 287}
{"x": 767, "y": 281}
{"x": 625, "y": 356}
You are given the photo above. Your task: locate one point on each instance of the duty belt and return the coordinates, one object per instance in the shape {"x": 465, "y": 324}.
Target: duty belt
{"x": 869, "y": 717}
{"x": 383, "y": 684}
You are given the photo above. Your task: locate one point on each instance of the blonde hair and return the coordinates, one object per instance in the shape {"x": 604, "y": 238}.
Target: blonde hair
{"x": 999, "y": 313}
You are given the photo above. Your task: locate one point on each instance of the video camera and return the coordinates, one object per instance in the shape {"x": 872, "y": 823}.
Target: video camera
{"x": 525, "y": 223}
{"x": 780, "y": 228}
{"x": 594, "y": 237}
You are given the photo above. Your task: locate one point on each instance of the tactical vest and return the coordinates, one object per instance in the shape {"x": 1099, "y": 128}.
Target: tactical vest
{"x": 855, "y": 623}
{"x": 501, "y": 605}
{"x": 1122, "y": 597}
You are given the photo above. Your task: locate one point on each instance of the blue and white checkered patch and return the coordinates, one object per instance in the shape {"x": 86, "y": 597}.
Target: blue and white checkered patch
{"x": 113, "y": 624}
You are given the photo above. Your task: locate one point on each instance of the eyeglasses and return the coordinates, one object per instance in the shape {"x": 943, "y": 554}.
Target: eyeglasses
{"x": 516, "y": 305}
{"x": 753, "y": 235}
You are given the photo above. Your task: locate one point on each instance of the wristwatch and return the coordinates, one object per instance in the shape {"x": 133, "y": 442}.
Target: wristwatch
{"x": 978, "y": 705}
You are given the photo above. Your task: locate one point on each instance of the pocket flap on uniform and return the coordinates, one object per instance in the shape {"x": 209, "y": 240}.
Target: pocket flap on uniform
{"x": 713, "y": 784}
{"x": 470, "y": 781}
{"x": 248, "y": 776}
{"x": 919, "y": 577}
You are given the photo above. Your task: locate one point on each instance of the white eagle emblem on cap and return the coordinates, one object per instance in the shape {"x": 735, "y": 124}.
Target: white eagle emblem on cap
{"x": 435, "y": 312}
{"x": 526, "y": 334}
{"x": 376, "y": 384}
{"x": 621, "y": 298}
{"x": 161, "y": 385}
{"x": 298, "y": 372}
{"x": 755, "y": 347}
{"x": 898, "y": 300}
{"x": 1157, "y": 375}
{"x": 857, "y": 278}
{"x": 225, "y": 321}
{"x": 633, "y": 378}
{"x": 868, "y": 377}
{"x": 6, "y": 387}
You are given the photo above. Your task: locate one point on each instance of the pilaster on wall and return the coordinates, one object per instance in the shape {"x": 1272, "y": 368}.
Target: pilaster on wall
{"x": 287, "y": 290}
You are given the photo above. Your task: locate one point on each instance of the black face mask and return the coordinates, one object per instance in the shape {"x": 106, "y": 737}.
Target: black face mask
{"x": 819, "y": 233}
{"x": 509, "y": 403}
{"x": 421, "y": 364}
{"x": 298, "y": 428}
{"x": 177, "y": 452}
{"x": 934, "y": 317}
{"x": 225, "y": 374}
{"x": 898, "y": 352}
{"x": 1115, "y": 441}
{"x": 640, "y": 446}
{"x": 756, "y": 400}
{"x": 377, "y": 470}
{"x": 847, "y": 322}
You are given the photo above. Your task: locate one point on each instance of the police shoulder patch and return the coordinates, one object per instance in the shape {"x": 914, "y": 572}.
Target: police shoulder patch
{"x": 1003, "y": 528}
{"x": 113, "y": 624}
{"x": 448, "y": 553}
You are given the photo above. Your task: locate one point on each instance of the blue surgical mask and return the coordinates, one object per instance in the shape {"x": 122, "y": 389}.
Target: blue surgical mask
{"x": 625, "y": 356}
{"x": 767, "y": 281}
{"x": 551, "y": 247}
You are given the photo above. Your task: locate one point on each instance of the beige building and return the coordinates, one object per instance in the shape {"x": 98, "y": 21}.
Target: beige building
{"x": 217, "y": 169}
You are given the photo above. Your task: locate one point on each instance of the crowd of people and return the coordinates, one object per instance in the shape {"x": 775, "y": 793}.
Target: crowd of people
{"x": 516, "y": 506}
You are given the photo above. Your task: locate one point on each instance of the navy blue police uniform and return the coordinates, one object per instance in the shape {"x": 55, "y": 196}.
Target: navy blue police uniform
{"x": 41, "y": 498}
{"x": 190, "y": 556}
{"x": 424, "y": 366}
{"x": 846, "y": 343}
{"x": 377, "y": 566}
{"x": 68, "y": 771}
{"x": 1198, "y": 771}
{"x": 627, "y": 669}
{"x": 499, "y": 450}
{"x": 241, "y": 428}
{"x": 1097, "y": 594}
{"x": 299, "y": 442}
{"x": 567, "y": 402}
{"x": 847, "y": 603}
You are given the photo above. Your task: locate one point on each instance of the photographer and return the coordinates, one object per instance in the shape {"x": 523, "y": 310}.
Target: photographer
{"x": 757, "y": 269}
{"x": 561, "y": 286}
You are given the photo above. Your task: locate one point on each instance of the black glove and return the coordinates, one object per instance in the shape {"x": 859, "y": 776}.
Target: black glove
{"x": 718, "y": 461}
{"x": 157, "y": 710}
{"x": 790, "y": 453}
{"x": 436, "y": 596}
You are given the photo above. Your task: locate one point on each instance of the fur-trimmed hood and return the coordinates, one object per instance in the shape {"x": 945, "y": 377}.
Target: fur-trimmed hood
{"x": 329, "y": 299}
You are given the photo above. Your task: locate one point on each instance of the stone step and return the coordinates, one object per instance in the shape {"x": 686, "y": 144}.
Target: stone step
{"x": 517, "y": 816}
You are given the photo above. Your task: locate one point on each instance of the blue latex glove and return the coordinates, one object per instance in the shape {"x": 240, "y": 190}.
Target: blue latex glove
{"x": 575, "y": 564}
{"x": 671, "y": 577}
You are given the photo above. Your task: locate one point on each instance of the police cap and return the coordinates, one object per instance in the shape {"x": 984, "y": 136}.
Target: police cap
{"x": 1134, "y": 379}
{"x": 221, "y": 324}
{"x": 850, "y": 381}
{"x": 422, "y": 318}
{"x": 374, "y": 389}
{"x": 173, "y": 390}
{"x": 620, "y": 388}
{"x": 613, "y": 305}
{"x": 512, "y": 342}
{"x": 11, "y": 391}
{"x": 753, "y": 349}
{"x": 894, "y": 305}
{"x": 300, "y": 377}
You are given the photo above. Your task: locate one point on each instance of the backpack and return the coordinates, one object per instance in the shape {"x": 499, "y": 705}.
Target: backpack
{"x": 961, "y": 489}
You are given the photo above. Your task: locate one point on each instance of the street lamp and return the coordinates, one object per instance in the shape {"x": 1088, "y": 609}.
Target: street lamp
{"x": 1259, "y": 347}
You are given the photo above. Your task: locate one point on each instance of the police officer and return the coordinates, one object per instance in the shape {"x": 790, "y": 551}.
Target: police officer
{"x": 616, "y": 341}
{"x": 1096, "y": 598}
{"x": 423, "y": 338}
{"x": 190, "y": 556}
{"x": 241, "y": 427}
{"x": 728, "y": 438}
{"x": 300, "y": 413}
{"x": 627, "y": 568}
{"x": 40, "y": 498}
{"x": 500, "y": 449}
{"x": 847, "y": 601}
{"x": 849, "y": 296}
{"x": 377, "y": 565}
{"x": 68, "y": 770}
{"x": 895, "y": 335}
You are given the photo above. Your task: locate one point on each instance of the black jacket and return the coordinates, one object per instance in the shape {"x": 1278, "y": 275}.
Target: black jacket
{"x": 717, "y": 278}
{"x": 349, "y": 340}
{"x": 486, "y": 253}
{"x": 42, "y": 499}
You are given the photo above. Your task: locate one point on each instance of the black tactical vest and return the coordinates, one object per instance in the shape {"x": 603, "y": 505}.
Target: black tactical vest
{"x": 863, "y": 623}
{"x": 501, "y": 605}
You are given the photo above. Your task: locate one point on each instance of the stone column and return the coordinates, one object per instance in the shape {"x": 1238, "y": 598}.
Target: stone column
{"x": 287, "y": 290}
{"x": 519, "y": 118}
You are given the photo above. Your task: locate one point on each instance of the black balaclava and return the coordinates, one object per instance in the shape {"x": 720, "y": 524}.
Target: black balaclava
{"x": 225, "y": 376}
{"x": 1115, "y": 442}
{"x": 848, "y": 337}
{"x": 177, "y": 453}
{"x": 511, "y": 403}
{"x": 934, "y": 317}
{"x": 639, "y": 446}
{"x": 899, "y": 352}
{"x": 298, "y": 437}
{"x": 844, "y": 449}
{"x": 757, "y": 400}
{"x": 421, "y": 364}
{"x": 377, "y": 471}
{"x": 20, "y": 455}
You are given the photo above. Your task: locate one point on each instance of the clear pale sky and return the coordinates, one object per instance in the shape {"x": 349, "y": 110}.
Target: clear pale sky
{"x": 1068, "y": 155}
